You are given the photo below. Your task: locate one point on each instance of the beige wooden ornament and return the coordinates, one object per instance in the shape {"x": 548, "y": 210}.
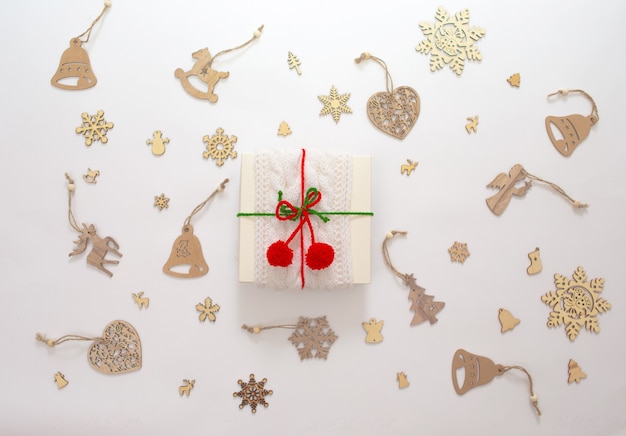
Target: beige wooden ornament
{"x": 514, "y": 80}
{"x": 402, "y": 380}
{"x": 74, "y": 71}
{"x": 574, "y": 128}
{"x": 207, "y": 310}
{"x": 284, "y": 129}
{"x": 536, "y": 266}
{"x": 100, "y": 246}
{"x": 408, "y": 167}
{"x": 117, "y": 351}
{"x": 335, "y": 104}
{"x": 472, "y": 125}
{"x": 59, "y": 379}
{"x": 293, "y": 62}
{"x": 186, "y": 251}
{"x": 458, "y": 252}
{"x": 158, "y": 143}
{"x": 91, "y": 176}
{"x": 203, "y": 70}
{"x": 219, "y": 147}
{"x": 373, "y": 328}
{"x": 186, "y": 387}
{"x": 508, "y": 187}
{"x": 575, "y": 374}
{"x": 480, "y": 370}
{"x": 507, "y": 320}
{"x": 395, "y": 110}
{"x": 94, "y": 128}
{"x": 252, "y": 393}
{"x": 161, "y": 202}
{"x": 141, "y": 300}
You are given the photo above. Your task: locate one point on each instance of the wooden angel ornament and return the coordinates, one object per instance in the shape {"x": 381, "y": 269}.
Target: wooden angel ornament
{"x": 99, "y": 246}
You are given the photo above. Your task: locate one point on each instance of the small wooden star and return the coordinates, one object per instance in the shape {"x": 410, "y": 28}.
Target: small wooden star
{"x": 335, "y": 104}
{"x": 161, "y": 201}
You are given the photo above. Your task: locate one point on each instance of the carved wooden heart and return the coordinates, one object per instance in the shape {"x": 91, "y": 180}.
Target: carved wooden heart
{"x": 117, "y": 351}
{"x": 394, "y": 113}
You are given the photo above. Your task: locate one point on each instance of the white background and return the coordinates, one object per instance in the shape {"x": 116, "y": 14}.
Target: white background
{"x": 134, "y": 51}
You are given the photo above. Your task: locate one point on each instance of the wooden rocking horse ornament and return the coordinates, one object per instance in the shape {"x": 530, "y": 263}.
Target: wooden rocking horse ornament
{"x": 202, "y": 69}
{"x": 100, "y": 246}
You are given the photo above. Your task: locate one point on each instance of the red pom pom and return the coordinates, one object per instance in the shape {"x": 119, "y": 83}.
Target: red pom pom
{"x": 320, "y": 255}
{"x": 279, "y": 254}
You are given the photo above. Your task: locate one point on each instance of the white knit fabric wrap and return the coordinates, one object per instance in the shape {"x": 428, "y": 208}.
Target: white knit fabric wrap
{"x": 279, "y": 170}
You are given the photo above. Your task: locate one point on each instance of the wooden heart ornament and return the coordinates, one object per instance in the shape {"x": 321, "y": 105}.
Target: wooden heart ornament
{"x": 394, "y": 112}
{"x": 117, "y": 351}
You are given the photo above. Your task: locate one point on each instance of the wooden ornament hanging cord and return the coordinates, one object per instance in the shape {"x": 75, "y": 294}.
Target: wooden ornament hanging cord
{"x": 257, "y": 329}
{"x": 255, "y": 35}
{"x": 197, "y": 209}
{"x": 533, "y": 397}
{"x": 107, "y": 5}
{"x": 388, "y": 80}
{"x": 390, "y": 235}
{"x": 557, "y": 188}
{"x": 53, "y": 342}
{"x": 595, "y": 117}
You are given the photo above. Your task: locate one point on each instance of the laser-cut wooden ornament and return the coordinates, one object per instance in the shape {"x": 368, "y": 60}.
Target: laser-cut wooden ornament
{"x": 100, "y": 246}
{"x": 283, "y": 129}
{"x": 507, "y": 320}
{"x": 141, "y": 300}
{"x": 423, "y": 305}
{"x": 575, "y": 374}
{"x": 458, "y": 252}
{"x": 186, "y": 387}
{"x": 335, "y": 104}
{"x": 117, "y": 351}
{"x": 408, "y": 167}
{"x": 394, "y": 111}
{"x": 252, "y": 393}
{"x": 402, "y": 380}
{"x": 207, "y": 310}
{"x": 219, "y": 147}
{"x": 514, "y": 80}
{"x": 59, "y": 379}
{"x": 94, "y": 128}
{"x": 74, "y": 71}
{"x": 158, "y": 143}
{"x": 573, "y": 128}
{"x": 203, "y": 70}
{"x": 91, "y": 176}
{"x": 161, "y": 202}
{"x": 480, "y": 370}
{"x": 186, "y": 250}
{"x": 508, "y": 187}
{"x": 536, "y": 266}
{"x": 373, "y": 328}
{"x": 472, "y": 125}
{"x": 294, "y": 62}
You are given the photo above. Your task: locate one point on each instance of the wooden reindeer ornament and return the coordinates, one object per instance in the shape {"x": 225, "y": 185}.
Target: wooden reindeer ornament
{"x": 186, "y": 388}
{"x": 186, "y": 250}
{"x": 100, "y": 246}
{"x": 508, "y": 187}
{"x": 204, "y": 71}
{"x": 573, "y": 128}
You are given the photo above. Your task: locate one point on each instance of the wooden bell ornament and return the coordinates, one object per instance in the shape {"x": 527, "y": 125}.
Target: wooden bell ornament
{"x": 186, "y": 250}
{"x": 573, "y": 128}
{"x": 74, "y": 71}
{"x": 480, "y": 370}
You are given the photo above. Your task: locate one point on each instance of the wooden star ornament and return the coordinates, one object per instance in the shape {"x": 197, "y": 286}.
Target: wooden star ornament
{"x": 335, "y": 104}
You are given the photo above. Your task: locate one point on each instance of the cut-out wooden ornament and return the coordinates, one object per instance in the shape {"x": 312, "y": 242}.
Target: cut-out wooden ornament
{"x": 186, "y": 387}
{"x": 186, "y": 251}
{"x": 574, "y": 128}
{"x": 507, "y": 320}
{"x": 575, "y": 374}
{"x": 408, "y": 167}
{"x": 335, "y": 104}
{"x": 472, "y": 125}
{"x": 373, "y": 328}
{"x": 536, "y": 266}
{"x": 161, "y": 202}
{"x": 117, "y": 351}
{"x": 141, "y": 300}
{"x": 508, "y": 187}
{"x": 74, "y": 71}
{"x": 576, "y": 303}
{"x": 91, "y": 176}
{"x": 514, "y": 80}
{"x": 94, "y": 128}
{"x": 219, "y": 147}
{"x": 207, "y": 310}
{"x": 402, "y": 380}
{"x": 312, "y": 337}
{"x": 480, "y": 370}
{"x": 203, "y": 70}
{"x": 252, "y": 393}
{"x": 59, "y": 379}
{"x": 100, "y": 246}
{"x": 293, "y": 62}
{"x": 423, "y": 305}
{"x": 458, "y": 252}
{"x": 158, "y": 143}
{"x": 394, "y": 111}
{"x": 283, "y": 129}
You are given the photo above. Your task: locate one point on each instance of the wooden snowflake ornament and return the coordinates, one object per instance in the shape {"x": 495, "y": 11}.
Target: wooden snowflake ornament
{"x": 94, "y": 128}
{"x": 458, "y": 252}
{"x": 161, "y": 202}
{"x": 335, "y": 104}
{"x": 207, "y": 310}
{"x": 450, "y": 40}
{"x": 219, "y": 147}
{"x": 252, "y": 393}
{"x": 576, "y": 303}
{"x": 313, "y": 338}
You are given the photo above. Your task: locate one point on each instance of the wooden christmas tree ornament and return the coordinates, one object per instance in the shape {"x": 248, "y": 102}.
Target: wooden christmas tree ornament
{"x": 312, "y": 337}
{"x": 158, "y": 143}
{"x": 203, "y": 70}
{"x": 395, "y": 111}
{"x": 186, "y": 387}
{"x": 283, "y": 129}
{"x": 535, "y": 266}
{"x": 59, "y": 379}
{"x": 335, "y": 104}
{"x": 252, "y": 393}
{"x": 117, "y": 351}
{"x": 141, "y": 300}
{"x": 423, "y": 305}
{"x": 100, "y": 246}
{"x": 293, "y": 62}
{"x": 507, "y": 186}
{"x": 480, "y": 370}
{"x": 575, "y": 374}
{"x": 402, "y": 380}
{"x": 514, "y": 80}
{"x": 573, "y": 128}
{"x": 186, "y": 250}
{"x": 373, "y": 328}
{"x": 74, "y": 72}
{"x": 507, "y": 320}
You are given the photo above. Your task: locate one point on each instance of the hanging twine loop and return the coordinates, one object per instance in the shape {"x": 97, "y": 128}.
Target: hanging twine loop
{"x": 53, "y": 342}
{"x": 258, "y": 329}
{"x": 197, "y": 209}
{"x": 557, "y": 188}
{"x": 388, "y": 80}
{"x": 70, "y": 193}
{"x": 389, "y": 236}
{"x": 255, "y": 35}
{"x": 533, "y": 397}
{"x": 107, "y": 5}
{"x": 594, "y": 117}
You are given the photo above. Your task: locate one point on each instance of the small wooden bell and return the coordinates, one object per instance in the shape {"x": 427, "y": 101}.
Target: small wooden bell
{"x": 186, "y": 251}
{"x": 479, "y": 370}
{"x": 573, "y": 129}
{"x": 74, "y": 72}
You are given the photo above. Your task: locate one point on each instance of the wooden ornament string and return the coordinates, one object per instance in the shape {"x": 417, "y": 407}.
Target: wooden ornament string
{"x": 255, "y": 35}
{"x": 390, "y": 235}
{"x": 197, "y": 209}
{"x": 533, "y": 397}
{"x": 52, "y": 342}
{"x": 557, "y": 188}
{"x": 594, "y": 107}
{"x": 257, "y": 329}
{"x": 367, "y": 56}
{"x": 107, "y": 5}
{"x": 70, "y": 213}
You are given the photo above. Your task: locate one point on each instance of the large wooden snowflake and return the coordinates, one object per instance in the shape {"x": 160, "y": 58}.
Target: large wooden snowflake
{"x": 252, "y": 393}
{"x": 576, "y": 303}
{"x": 313, "y": 337}
{"x": 450, "y": 40}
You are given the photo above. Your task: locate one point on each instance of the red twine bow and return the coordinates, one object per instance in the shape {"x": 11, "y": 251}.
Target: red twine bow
{"x": 319, "y": 255}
